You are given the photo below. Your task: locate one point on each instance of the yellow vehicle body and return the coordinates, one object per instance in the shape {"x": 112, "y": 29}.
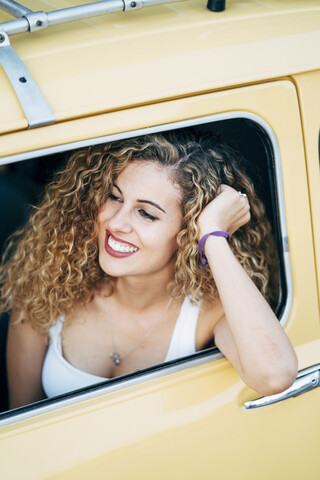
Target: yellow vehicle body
{"x": 157, "y": 68}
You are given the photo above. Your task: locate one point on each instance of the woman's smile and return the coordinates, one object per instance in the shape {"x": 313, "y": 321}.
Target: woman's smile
{"x": 118, "y": 248}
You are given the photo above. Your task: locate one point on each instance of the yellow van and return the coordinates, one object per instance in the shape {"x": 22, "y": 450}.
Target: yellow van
{"x": 75, "y": 75}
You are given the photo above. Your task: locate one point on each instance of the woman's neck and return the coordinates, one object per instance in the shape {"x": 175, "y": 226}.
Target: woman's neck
{"x": 141, "y": 292}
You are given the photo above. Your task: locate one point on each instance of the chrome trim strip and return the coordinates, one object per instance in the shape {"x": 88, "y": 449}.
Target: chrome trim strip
{"x": 98, "y": 391}
{"x": 160, "y": 128}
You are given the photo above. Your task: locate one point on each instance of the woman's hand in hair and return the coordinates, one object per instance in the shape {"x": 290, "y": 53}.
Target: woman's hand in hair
{"x": 228, "y": 211}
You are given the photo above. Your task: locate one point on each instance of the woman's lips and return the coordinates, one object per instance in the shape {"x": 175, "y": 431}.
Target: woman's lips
{"x": 118, "y": 248}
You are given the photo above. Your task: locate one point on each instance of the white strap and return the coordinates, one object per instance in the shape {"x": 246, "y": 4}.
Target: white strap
{"x": 183, "y": 341}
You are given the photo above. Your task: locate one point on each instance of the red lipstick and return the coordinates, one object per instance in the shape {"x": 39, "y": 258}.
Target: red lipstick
{"x": 115, "y": 253}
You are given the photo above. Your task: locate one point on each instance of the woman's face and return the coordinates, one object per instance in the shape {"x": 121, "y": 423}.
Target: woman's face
{"x": 139, "y": 222}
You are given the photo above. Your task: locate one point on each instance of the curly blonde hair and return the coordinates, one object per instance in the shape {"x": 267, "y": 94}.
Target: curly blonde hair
{"x": 52, "y": 264}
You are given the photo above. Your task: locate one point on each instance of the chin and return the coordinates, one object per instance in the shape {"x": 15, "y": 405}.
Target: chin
{"x": 113, "y": 267}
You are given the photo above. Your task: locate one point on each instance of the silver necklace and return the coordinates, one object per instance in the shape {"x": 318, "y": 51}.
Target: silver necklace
{"x": 115, "y": 355}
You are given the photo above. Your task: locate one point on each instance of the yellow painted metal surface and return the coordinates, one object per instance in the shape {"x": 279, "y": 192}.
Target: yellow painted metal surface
{"x": 182, "y": 425}
{"x": 191, "y": 423}
{"x": 308, "y": 86}
{"x": 159, "y": 53}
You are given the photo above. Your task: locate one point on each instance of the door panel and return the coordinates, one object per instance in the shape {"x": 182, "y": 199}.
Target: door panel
{"x": 191, "y": 423}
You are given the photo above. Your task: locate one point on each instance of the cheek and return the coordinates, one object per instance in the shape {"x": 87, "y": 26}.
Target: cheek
{"x": 100, "y": 217}
{"x": 102, "y": 210}
{"x": 106, "y": 212}
{"x": 166, "y": 241}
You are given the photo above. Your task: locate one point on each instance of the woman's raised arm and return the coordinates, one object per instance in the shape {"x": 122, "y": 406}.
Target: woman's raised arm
{"x": 249, "y": 334}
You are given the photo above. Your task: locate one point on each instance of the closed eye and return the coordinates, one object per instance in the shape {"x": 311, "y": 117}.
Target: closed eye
{"x": 142, "y": 212}
{"x": 114, "y": 198}
{"x": 147, "y": 215}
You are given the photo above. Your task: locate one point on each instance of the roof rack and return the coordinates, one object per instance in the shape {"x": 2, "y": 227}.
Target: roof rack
{"x": 33, "y": 103}
{"x": 29, "y": 21}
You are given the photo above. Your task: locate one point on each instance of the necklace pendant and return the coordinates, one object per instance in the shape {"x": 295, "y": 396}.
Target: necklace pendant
{"x": 115, "y": 357}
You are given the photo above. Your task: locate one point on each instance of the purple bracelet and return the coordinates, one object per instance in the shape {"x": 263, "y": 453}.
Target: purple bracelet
{"x": 217, "y": 233}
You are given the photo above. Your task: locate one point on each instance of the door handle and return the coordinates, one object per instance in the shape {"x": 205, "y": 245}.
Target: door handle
{"x": 306, "y": 380}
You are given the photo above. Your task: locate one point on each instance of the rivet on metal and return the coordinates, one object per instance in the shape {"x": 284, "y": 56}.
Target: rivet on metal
{"x": 23, "y": 80}
{"x": 133, "y": 4}
{"x": 39, "y": 23}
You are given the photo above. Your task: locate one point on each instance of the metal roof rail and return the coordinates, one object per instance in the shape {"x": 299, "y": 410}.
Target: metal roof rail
{"x": 33, "y": 103}
{"x": 29, "y": 21}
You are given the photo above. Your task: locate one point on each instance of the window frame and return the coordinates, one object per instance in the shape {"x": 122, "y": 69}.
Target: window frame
{"x": 135, "y": 378}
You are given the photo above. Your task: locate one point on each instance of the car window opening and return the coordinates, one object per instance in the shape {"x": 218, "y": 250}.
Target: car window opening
{"x": 22, "y": 185}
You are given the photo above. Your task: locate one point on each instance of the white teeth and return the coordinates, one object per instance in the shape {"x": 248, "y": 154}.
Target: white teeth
{"x": 120, "y": 247}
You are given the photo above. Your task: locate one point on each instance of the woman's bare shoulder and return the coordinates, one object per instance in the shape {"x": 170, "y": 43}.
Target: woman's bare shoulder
{"x": 26, "y": 349}
{"x": 23, "y": 331}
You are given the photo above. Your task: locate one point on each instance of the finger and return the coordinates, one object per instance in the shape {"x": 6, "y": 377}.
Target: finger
{"x": 246, "y": 217}
{"x": 223, "y": 187}
{"x": 218, "y": 190}
{"x": 243, "y": 198}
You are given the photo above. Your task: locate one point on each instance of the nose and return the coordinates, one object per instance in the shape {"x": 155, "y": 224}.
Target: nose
{"x": 120, "y": 221}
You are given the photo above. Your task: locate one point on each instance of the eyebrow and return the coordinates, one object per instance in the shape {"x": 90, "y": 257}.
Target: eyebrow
{"x": 143, "y": 201}
{"x": 152, "y": 203}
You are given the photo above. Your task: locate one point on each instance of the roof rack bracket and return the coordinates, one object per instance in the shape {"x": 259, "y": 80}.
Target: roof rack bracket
{"x": 131, "y": 5}
{"x": 32, "y": 102}
{"x": 37, "y": 20}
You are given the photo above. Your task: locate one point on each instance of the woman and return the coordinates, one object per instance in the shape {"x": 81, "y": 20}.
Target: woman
{"x": 109, "y": 269}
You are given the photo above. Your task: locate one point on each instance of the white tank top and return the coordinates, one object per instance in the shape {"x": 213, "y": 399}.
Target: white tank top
{"x": 59, "y": 376}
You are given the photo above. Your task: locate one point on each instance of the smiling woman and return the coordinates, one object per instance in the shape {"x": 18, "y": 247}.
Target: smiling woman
{"x": 107, "y": 278}
{"x": 148, "y": 227}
